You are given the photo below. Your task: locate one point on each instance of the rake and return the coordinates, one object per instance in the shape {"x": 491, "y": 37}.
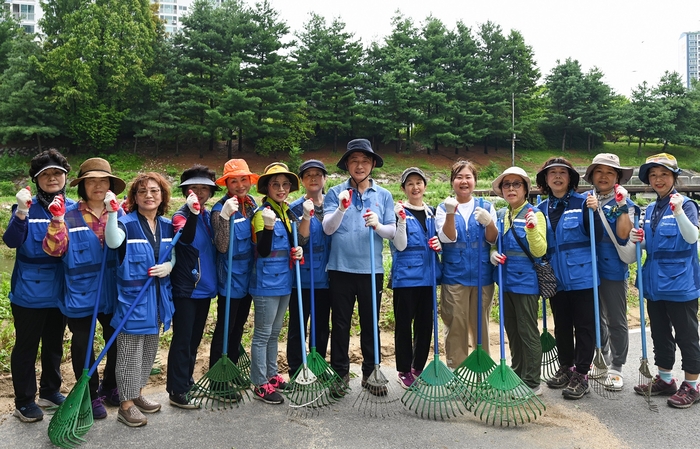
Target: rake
{"x": 602, "y": 384}
{"x": 377, "y": 396}
{"x": 504, "y": 398}
{"x": 222, "y": 385}
{"x": 243, "y": 363}
{"x": 550, "y": 355}
{"x": 645, "y": 378}
{"x": 437, "y": 393}
{"x": 73, "y": 418}
{"x": 306, "y": 391}
{"x": 479, "y": 364}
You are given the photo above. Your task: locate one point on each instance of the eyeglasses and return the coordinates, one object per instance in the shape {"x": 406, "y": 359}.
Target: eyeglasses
{"x": 143, "y": 192}
{"x": 278, "y": 186}
{"x": 515, "y": 185}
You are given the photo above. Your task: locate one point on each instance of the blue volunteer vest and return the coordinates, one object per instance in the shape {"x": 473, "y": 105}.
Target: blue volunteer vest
{"x": 272, "y": 275}
{"x": 412, "y": 266}
{"x": 199, "y": 280}
{"x": 519, "y": 275}
{"x": 322, "y": 247}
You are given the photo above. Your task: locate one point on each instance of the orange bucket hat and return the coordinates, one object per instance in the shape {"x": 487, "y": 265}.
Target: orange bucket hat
{"x": 237, "y": 167}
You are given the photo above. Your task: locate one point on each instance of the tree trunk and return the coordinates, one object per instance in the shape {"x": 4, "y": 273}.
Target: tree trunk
{"x": 456, "y": 149}
{"x": 177, "y": 145}
{"x": 335, "y": 139}
{"x": 663, "y": 149}
{"x": 38, "y": 141}
{"x": 639, "y": 148}
{"x": 136, "y": 141}
{"x": 563, "y": 141}
{"x": 486, "y": 146}
{"x": 240, "y": 140}
{"x": 201, "y": 148}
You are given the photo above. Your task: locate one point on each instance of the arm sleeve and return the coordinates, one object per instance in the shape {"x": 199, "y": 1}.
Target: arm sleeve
{"x": 55, "y": 241}
{"x": 687, "y": 222}
{"x": 537, "y": 236}
{"x": 264, "y": 242}
{"x": 188, "y": 226}
{"x": 220, "y": 228}
{"x": 16, "y": 232}
{"x": 114, "y": 235}
{"x": 400, "y": 239}
{"x": 332, "y": 216}
{"x": 386, "y": 231}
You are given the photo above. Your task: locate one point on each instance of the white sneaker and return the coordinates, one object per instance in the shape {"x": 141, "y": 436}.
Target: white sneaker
{"x": 537, "y": 390}
{"x": 614, "y": 382}
{"x": 594, "y": 373}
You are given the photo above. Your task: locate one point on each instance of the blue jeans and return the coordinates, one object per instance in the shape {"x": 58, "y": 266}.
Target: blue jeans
{"x": 269, "y": 316}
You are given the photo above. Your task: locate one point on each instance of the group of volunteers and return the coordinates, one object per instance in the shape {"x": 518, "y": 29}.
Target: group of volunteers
{"x": 71, "y": 254}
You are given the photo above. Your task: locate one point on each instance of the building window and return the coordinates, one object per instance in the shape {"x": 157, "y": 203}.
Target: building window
{"x": 29, "y": 29}
{"x": 23, "y": 12}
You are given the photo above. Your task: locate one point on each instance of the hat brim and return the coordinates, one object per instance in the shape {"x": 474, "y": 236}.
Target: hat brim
{"x": 265, "y": 180}
{"x": 198, "y": 180}
{"x": 496, "y": 184}
{"x": 252, "y": 176}
{"x": 541, "y": 178}
{"x": 119, "y": 184}
{"x": 43, "y": 169}
{"x": 343, "y": 162}
{"x": 644, "y": 170}
{"x": 625, "y": 173}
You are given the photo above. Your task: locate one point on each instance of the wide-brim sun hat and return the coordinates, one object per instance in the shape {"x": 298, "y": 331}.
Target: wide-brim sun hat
{"x": 611, "y": 160}
{"x": 312, "y": 163}
{"x": 658, "y": 160}
{"x": 413, "y": 171}
{"x": 277, "y": 168}
{"x": 363, "y": 146}
{"x": 236, "y": 167}
{"x": 496, "y": 184}
{"x": 541, "y": 178}
{"x": 96, "y": 167}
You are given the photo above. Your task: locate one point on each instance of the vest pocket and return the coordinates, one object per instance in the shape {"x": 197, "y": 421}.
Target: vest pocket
{"x": 38, "y": 283}
{"x": 273, "y": 272}
{"x": 82, "y": 292}
{"x": 667, "y": 235}
{"x": 672, "y": 277}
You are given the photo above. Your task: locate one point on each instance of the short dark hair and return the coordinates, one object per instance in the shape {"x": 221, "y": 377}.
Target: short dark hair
{"x": 198, "y": 171}
{"x": 47, "y": 157}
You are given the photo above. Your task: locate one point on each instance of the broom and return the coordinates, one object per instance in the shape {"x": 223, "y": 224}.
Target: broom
{"x": 223, "y": 383}
{"x": 67, "y": 426}
{"x": 602, "y": 384}
{"x": 436, "y": 392}
{"x": 645, "y": 378}
{"x": 479, "y": 364}
{"x": 375, "y": 397}
{"x": 504, "y": 397}
{"x": 306, "y": 390}
{"x": 550, "y": 355}
{"x": 73, "y": 418}
{"x": 317, "y": 364}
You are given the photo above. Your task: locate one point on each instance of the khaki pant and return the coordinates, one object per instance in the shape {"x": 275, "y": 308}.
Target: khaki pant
{"x": 458, "y": 310}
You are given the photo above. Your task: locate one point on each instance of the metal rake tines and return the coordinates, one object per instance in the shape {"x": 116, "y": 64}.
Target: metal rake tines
{"x": 507, "y": 406}
{"x": 377, "y": 397}
{"x": 602, "y": 383}
{"x": 647, "y": 381}
{"x": 306, "y": 391}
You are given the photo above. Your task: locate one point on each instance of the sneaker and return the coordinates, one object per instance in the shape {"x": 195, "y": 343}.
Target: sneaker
{"x": 684, "y": 397}
{"x": 658, "y": 387}
{"x": 146, "y": 405}
{"x": 111, "y": 396}
{"x": 131, "y": 417}
{"x": 29, "y": 413}
{"x": 182, "y": 400}
{"x": 561, "y": 378}
{"x": 578, "y": 386}
{"x": 377, "y": 390}
{"x": 416, "y": 372}
{"x": 537, "y": 391}
{"x": 98, "y": 409}
{"x": 339, "y": 389}
{"x": 614, "y": 381}
{"x": 278, "y": 382}
{"x": 406, "y": 380}
{"x": 53, "y": 400}
{"x": 268, "y": 394}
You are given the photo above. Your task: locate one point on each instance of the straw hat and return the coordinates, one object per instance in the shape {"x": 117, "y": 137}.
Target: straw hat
{"x": 658, "y": 160}
{"x": 611, "y": 160}
{"x": 277, "y": 168}
{"x": 363, "y": 146}
{"x": 96, "y": 167}
{"x": 236, "y": 167}
{"x": 496, "y": 184}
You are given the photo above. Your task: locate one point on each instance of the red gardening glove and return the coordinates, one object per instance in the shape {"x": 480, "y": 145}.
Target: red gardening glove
{"x": 24, "y": 200}
{"x": 637, "y": 235}
{"x": 58, "y": 207}
{"x": 345, "y": 199}
{"x": 620, "y": 194}
{"x": 530, "y": 219}
{"x": 125, "y": 205}
{"x": 434, "y": 244}
{"x": 371, "y": 219}
{"x": 193, "y": 202}
{"x": 400, "y": 211}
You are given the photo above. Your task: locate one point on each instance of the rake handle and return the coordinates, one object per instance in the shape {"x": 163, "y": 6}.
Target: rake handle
{"x": 430, "y": 224}
{"x": 375, "y": 320}
{"x": 640, "y": 287}
{"x": 501, "y": 324}
{"x": 479, "y": 299}
{"x": 96, "y": 308}
{"x": 312, "y": 292}
{"x": 297, "y": 272}
{"x": 594, "y": 270}
{"x": 227, "y": 308}
{"x": 544, "y": 301}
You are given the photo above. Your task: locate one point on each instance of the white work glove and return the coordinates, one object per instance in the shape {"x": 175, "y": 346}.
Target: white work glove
{"x": 111, "y": 202}
{"x": 296, "y": 253}
{"x": 676, "y": 203}
{"x": 308, "y": 206}
{"x": 688, "y": 230}
{"x": 530, "y": 219}
{"x": 482, "y": 216}
{"x": 620, "y": 195}
{"x": 434, "y": 244}
{"x": 371, "y": 219}
{"x": 497, "y": 258}
{"x": 58, "y": 207}
{"x": 269, "y": 217}
{"x": 24, "y": 200}
{"x": 160, "y": 270}
{"x": 230, "y": 207}
{"x": 344, "y": 200}
{"x": 636, "y": 235}
{"x": 193, "y": 203}
{"x": 450, "y": 205}
{"x": 400, "y": 212}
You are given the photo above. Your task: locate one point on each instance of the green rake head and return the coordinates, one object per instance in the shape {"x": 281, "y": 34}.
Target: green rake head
{"x": 243, "y": 361}
{"x": 377, "y": 397}
{"x": 326, "y": 375}
{"x": 73, "y": 418}
{"x": 475, "y": 369}
{"x": 504, "y": 399}
{"x": 550, "y": 355}
{"x": 306, "y": 393}
{"x": 437, "y": 393}
{"x": 223, "y": 386}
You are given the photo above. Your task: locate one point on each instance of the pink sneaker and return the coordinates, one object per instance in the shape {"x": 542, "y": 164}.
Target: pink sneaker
{"x": 406, "y": 380}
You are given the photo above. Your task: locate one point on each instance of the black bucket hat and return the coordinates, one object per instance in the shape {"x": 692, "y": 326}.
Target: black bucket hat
{"x": 312, "y": 163}
{"x": 363, "y": 146}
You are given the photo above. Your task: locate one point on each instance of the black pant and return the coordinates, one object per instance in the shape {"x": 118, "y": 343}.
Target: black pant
{"x": 412, "y": 306}
{"x": 31, "y": 327}
{"x": 189, "y": 320}
{"x": 322, "y": 312}
{"x": 345, "y": 288}
{"x": 238, "y": 316}
{"x": 675, "y": 323}
{"x": 80, "y": 327}
{"x": 573, "y": 312}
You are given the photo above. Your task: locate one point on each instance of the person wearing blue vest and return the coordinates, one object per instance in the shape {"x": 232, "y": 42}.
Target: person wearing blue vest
{"x": 193, "y": 279}
{"x": 348, "y": 210}
{"x": 272, "y": 278}
{"x": 141, "y": 237}
{"x": 313, "y": 177}
{"x": 671, "y": 277}
{"x": 612, "y": 202}
{"x": 35, "y": 289}
{"x": 413, "y": 251}
{"x": 458, "y": 220}
{"x": 569, "y": 251}
{"x": 520, "y": 286}
{"x": 235, "y": 208}
{"x": 79, "y": 240}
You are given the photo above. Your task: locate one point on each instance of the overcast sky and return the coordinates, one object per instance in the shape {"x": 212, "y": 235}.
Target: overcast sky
{"x": 630, "y": 41}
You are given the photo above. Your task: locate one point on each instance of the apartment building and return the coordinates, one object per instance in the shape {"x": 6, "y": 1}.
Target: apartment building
{"x": 688, "y": 56}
